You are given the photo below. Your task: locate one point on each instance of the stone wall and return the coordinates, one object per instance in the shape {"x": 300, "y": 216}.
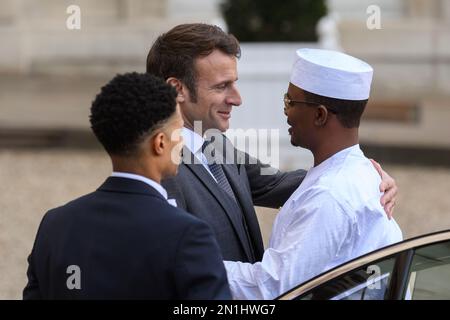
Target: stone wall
{"x": 114, "y": 34}
{"x": 411, "y": 51}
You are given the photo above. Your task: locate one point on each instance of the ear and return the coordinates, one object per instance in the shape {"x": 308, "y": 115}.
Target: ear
{"x": 178, "y": 85}
{"x": 321, "y": 116}
{"x": 158, "y": 143}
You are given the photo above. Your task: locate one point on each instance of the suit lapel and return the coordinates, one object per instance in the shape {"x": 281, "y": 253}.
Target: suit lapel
{"x": 231, "y": 172}
{"x": 245, "y": 199}
{"x": 228, "y": 205}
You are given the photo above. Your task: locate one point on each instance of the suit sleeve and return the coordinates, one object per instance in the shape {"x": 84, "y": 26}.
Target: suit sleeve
{"x": 269, "y": 186}
{"x": 309, "y": 245}
{"x": 199, "y": 269}
{"x": 32, "y": 290}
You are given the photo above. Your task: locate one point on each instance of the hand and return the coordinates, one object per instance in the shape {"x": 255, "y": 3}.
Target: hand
{"x": 389, "y": 187}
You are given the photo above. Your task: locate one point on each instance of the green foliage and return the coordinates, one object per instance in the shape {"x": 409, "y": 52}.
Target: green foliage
{"x": 271, "y": 20}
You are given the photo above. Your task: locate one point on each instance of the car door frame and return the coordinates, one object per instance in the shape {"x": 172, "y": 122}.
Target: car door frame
{"x": 404, "y": 252}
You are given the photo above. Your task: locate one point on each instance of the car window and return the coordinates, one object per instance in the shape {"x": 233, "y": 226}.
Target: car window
{"x": 430, "y": 273}
{"x": 370, "y": 282}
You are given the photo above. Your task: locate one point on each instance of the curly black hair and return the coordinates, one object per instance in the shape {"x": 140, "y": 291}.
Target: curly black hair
{"x": 128, "y": 109}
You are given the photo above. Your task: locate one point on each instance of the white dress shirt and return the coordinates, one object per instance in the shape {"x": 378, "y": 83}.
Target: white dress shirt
{"x": 194, "y": 142}
{"x": 148, "y": 181}
{"x": 334, "y": 216}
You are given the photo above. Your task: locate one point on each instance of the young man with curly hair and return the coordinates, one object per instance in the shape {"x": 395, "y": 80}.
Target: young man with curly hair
{"x": 125, "y": 240}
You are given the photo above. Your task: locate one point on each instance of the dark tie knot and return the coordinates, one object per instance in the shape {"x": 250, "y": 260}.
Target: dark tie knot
{"x": 209, "y": 149}
{"x": 206, "y": 144}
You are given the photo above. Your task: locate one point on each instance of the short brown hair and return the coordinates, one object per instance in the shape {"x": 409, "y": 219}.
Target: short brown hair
{"x": 173, "y": 53}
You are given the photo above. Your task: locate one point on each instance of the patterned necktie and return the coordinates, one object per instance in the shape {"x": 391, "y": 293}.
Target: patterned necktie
{"x": 222, "y": 181}
{"x": 217, "y": 171}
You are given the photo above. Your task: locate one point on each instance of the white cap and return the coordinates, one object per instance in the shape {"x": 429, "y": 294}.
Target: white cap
{"x": 332, "y": 74}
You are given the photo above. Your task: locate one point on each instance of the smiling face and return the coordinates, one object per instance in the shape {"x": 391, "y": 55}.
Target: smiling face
{"x": 300, "y": 118}
{"x": 216, "y": 92}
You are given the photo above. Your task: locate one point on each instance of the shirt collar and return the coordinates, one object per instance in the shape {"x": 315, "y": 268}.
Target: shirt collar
{"x": 355, "y": 150}
{"x": 148, "y": 181}
{"x": 192, "y": 140}
{"x": 316, "y": 172}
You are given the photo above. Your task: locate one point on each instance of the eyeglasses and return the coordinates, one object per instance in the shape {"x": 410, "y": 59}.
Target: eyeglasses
{"x": 289, "y": 103}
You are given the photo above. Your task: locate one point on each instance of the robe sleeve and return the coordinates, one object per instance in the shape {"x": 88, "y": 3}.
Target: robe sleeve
{"x": 319, "y": 228}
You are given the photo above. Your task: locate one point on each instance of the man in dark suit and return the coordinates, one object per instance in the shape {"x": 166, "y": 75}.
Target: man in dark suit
{"x": 125, "y": 240}
{"x": 199, "y": 60}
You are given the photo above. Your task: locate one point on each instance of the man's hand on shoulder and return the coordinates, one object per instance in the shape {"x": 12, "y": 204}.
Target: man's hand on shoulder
{"x": 389, "y": 187}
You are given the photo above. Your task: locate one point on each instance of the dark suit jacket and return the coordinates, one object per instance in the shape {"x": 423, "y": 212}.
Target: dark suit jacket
{"x": 197, "y": 192}
{"x": 129, "y": 243}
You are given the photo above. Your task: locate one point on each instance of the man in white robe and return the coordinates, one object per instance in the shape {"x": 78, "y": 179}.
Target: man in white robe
{"x": 335, "y": 215}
